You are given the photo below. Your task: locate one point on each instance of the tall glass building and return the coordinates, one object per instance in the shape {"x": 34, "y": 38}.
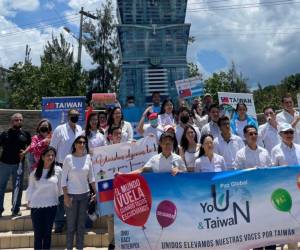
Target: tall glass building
{"x": 153, "y": 40}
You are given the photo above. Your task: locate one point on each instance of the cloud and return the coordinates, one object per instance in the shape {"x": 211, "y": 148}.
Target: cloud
{"x": 263, "y": 42}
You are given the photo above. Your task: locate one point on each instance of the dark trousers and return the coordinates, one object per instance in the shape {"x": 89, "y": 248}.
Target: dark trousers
{"x": 266, "y": 248}
{"x": 7, "y": 170}
{"x": 42, "y": 221}
{"x": 60, "y": 214}
{"x": 76, "y": 216}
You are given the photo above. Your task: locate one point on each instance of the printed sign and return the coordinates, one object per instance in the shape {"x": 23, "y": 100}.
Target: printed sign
{"x": 190, "y": 87}
{"x": 228, "y": 102}
{"x": 240, "y": 209}
{"x": 133, "y": 115}
{"x": 55, "y": 109}
{"x": 121, "y": 157}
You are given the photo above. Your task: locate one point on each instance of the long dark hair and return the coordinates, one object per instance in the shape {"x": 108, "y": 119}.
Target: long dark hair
{"x": 110, "y": 120}
{"x": 40, "y": 123}
{"x": 39, "y": 170}
{"x": 184, "y": 143}
{"x": 162, "y": 109}
{"x": 173, "y": 137}
{"x": 88, "y": 125}
{"x": 194, "y": 109}
{"x": 203, "y": 137}
{"x": 76, "y": 140}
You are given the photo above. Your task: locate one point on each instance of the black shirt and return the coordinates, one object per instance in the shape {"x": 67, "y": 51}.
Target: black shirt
{"x": 12, "y": 142}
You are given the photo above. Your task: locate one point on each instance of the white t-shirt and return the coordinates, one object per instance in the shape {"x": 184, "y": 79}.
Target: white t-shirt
{"x": 228, "y": 149}
{"x": 190, "y": 158}
{"x": 95, "y": 139}
{"x": 157, "y": 131}
{"x": 268, "y": 137}
{"x": 282, "y": 155}
{"x": 211, "y": 128}
{"x": 286, "y": 117}
{"x": 62, "y": 140}
{"x": 160, "y": 164}
{"x": 240, "y": 127}
{"x": 77, "y": 174}
{"x": 45, "y": 191}
{"x": 249, "y": 158}
{"x": 203, "y": 164}
{"x": 166, "y": 119}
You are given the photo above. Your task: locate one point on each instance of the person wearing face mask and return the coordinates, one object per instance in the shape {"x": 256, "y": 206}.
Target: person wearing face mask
{"x": 267, "y": 133}
{"x": 152, "y": 127}
{"x": 13, "y": 141}
{"x": 184, "y": 116}
{"x": 62, "y": 139}
{"x": 40, "y": 141}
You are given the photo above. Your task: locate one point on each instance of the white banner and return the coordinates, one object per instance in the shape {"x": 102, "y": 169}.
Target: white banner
{"x": 121, "y": 157}
{"x": 228, "y": 102}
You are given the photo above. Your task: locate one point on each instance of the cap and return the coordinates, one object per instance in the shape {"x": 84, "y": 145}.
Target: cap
{"x": 285, "y": 127}
{"x": 207, "y": 94}
{"x": 152, "y": 116}
{"x": 168, "y": 128}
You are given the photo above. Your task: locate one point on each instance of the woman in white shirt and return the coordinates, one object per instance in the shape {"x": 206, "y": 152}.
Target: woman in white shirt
{"x": 77, "y": 174}
{"x": 42, "y": 195}
{"x": 209, "y": 161}
{"x": 189, "y": 147}
{"x": 92, "y": 132}
{"x": 116, "y": 119}
{"x": 167, "y": 114}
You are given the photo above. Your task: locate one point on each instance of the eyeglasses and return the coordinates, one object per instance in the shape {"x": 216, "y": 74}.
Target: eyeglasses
{"x": 81, "y": 142}
{"x": 18, "y": 120}
{"x": 225, "y": 123}
{"x": 252, "y": 133}
{"x": 291, "y": 132}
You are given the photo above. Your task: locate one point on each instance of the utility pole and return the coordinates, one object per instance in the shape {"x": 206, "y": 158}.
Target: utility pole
{"x": 82, "y": 13}
{"x": 27, "y": 54}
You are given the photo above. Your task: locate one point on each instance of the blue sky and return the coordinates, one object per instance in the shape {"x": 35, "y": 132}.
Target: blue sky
{"x": 262, "y": 38}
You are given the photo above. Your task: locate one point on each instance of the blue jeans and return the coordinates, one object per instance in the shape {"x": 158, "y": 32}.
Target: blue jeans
{"x": 76, "y": 216}
{"x": 7, "y": 170}
{"x": 42, "y": 221}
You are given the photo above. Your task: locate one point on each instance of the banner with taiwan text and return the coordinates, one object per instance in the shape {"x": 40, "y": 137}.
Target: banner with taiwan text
{"x": 240, "y": 209}
{"x": 228, "y": 102}
{"x": 55, "y": 109}
{"x": 121, "y": 157}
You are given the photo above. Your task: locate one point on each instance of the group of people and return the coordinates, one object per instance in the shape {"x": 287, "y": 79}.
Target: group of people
{"x": 196, "y": 139}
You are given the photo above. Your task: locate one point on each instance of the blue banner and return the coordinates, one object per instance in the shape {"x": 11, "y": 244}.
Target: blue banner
{"x": 133, "y": 115}
{"x": 55, "y": 109}
{"x": 226, "y": 210}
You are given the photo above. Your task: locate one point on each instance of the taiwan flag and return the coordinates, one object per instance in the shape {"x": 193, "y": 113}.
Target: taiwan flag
{"x": 185, "y": 93}
{"x": 106, "y": 190}
{"x": 225, "y": 99}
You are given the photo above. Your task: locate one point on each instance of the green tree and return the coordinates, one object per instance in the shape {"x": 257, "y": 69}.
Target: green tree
{"x": 223, "y": 81}
{"x": 100, "y": 40}
{"x": 58, "y": 75}
{"x": 193, "y": 70}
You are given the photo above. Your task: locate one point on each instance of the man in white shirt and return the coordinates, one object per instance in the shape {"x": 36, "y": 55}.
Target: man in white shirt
{"x": 252, "y": 155}
{"x": 152, "y": 127}
{"x": 268, "y": 136}
{"x": 62, "y": 139}
{"x": 290, "y": 115}
{"x": 286, "y": 153}
{"x": 212, "y": 127}
{"x": 227, "y": 144}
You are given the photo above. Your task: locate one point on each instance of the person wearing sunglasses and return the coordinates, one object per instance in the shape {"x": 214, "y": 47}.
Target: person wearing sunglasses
{"x": 286, "y": 153}
{"x": 77, "y": 174}
{"x": 62, "y": 139}
{"x": 252, "y": 155}
{"x": 40, "y": 141}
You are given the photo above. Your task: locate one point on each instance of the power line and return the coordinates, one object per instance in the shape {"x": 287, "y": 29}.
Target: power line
{"x": 243, "y": 6}
{"x": 38, "y": 27}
